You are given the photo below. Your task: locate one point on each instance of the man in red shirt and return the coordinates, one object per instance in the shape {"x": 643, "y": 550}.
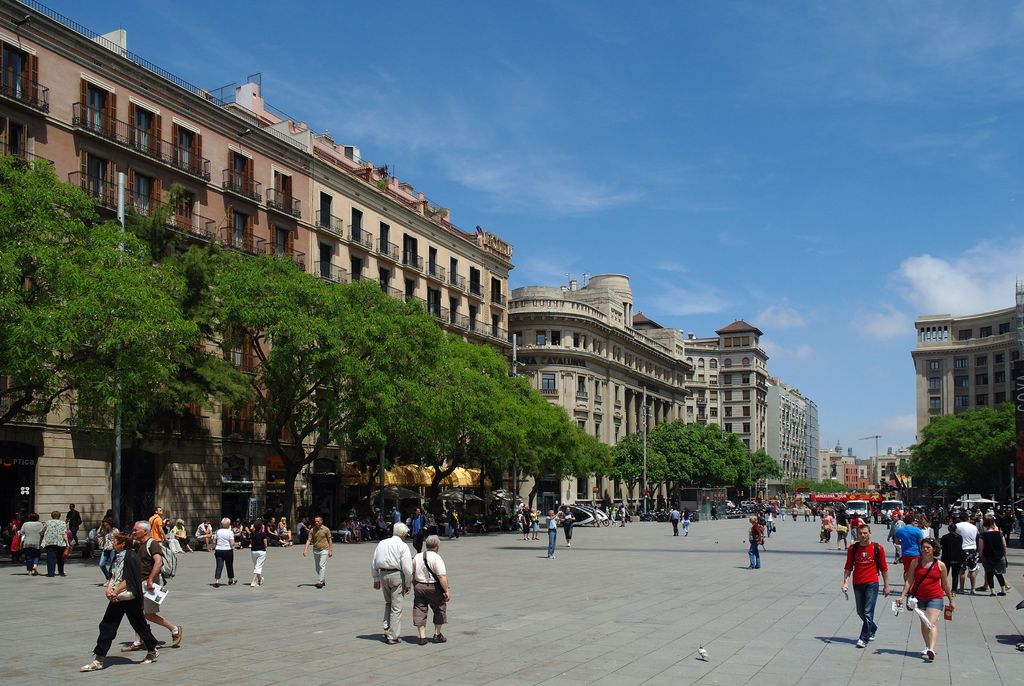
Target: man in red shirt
{"x": 865, "y": 559}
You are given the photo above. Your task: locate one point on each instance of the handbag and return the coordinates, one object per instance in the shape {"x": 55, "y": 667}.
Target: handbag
{"x": 16, "y": 543}
{"x": 125, "y": 595}
{"x": 911, "y": 598}
{"x": 843, "y": 529}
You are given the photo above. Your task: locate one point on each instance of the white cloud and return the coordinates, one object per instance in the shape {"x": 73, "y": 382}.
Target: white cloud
{"x": 980, "y": 280}
{"x": 682, "y": 301}
{"x": 884, "y": 324}
{"x": 778, "y": 352}
{"x": 900, "y": 423}
{"x": 779, "y": 317}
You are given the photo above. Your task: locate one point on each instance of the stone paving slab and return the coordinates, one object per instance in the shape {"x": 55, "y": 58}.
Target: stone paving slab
{"x": 623, "y": 606}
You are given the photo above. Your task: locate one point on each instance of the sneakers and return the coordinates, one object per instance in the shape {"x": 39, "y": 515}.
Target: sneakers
{"x": 871, "y": 637}
{"x": 861, "y": 644}
{"x": 176, "y": 637}
{"x": 439, "y": 638}
{"x": 929, "y": 654}
{"x": 151, "y": 657}
{"x": 132, "y": 647}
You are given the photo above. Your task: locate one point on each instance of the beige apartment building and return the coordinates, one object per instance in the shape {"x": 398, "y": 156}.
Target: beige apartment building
{"x": 963, "y": 362}
{"x": 729, "y": 382}
{"x": 255, "y": 181}
{"x": 581, "y": 348}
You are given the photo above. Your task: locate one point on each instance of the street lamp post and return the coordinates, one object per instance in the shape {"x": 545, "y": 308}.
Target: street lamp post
{"x": 644, "y": 420}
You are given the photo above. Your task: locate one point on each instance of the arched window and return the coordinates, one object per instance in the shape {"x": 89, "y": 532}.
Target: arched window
{"x": 727, "y": 362}
{"x": 746, "y": 361}
{"x": 713, "y": 364}
{"x": 700, "y": 362}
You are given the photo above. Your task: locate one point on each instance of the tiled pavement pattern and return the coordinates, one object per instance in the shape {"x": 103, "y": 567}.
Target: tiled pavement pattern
{"x": 622, "y": 606}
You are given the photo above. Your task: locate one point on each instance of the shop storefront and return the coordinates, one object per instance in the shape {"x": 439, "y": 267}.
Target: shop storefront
{"x": 17, "y": 480}
{"x": 237, "y": 500}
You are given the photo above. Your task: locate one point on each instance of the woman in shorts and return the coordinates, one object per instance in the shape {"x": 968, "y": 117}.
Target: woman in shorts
{"x": 928, "y": 579}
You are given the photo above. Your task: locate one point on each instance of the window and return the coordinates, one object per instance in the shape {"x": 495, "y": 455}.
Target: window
{"x": 999, "y": 358}
{"x": 728, "y": 395}
{"x": 935, "y": 382}
{"x": 384, "y": 236}
{"x": 472, "y": 317}
{"x": 746, "y": 378}
{"x": 575, "y": 340}
{"x": 746, "y": 395}
{"x": 981, "y": 400}
{"x": 98, "y": 105}
{"x": 434, "y": 301}
{"x": 495, "y": 325}
{"x": 241, "y": 229}
{"x": 556, "y": 337}
{"x": 713, "y": 411}
{"x": 410, "y": 251}
{"x": 14, "y": 136}
{"x": 384, "y": 278}
{"x": 356, "y": 225}
{"x": 453, "y": 314}
{"x": 542, "y": 338}
{"x": 186, "y": 148}
{"x": 960, "y": 363}
{"x": 728, "y": 426}
{"x": 727, "y": 362}
{"x": 326, "y": 251}
{"x": 934, "y": 403}
{"x": 965, "y": 334}
{"x": 410, "y": 289}
{"x": 713, "y": 364}
{"x": 934, "y": 365}
{"x": 581, "y": 482}
{"x": 356, "y": 267}
{"x": 432, "y": 261}
{"x": 581, "y": 385}
{"x": 981, "y": 361}
{"x": 141, "y": 191}
{"x": 981, "y": 379}
{"x": 985, "y": 332}
{"x": 746, "y": 361}
{"x": 1000, "y": 397}
{"x": 495, "y": 290}
{"x": 547, "y": 382}
{"x": 474, "y": 281}
{"x": 961, "y": 381}
{"x": 453, "y": 271}
{"x": 726, "y": 379}
{"x": 1004, "y": 327}
{"x": 728, "y": 410}
{"x": 746, "y": 427}
{"x": 746, "y": 410}
{"x": 282, "y": 241}
{"x": 517, "y": 336}
{"x": 1000, "y": 377}
{"x": 19, "y": 74}
{"x": 324, "y": 215}
{"x": 960, "y": 401}
{"x": 145, "y": 128}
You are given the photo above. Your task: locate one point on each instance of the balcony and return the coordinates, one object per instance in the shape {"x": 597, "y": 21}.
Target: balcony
{"x": 287, "y": 252}
{"x": 547, "y": 390}
{"x": 283, "y": 202}
{"x": 436, "y": 271}
{"x": 140, "y": 141}
{"x": 242, "y": 242}
{"x": 457, "y": 280}
{"x": 242, "y": 360}
{"x": 477, "y": 290}
{"x": 393, "y": 292}
{"x": 233, "y": 427}
{"x": 388, "y": 250}
{"x": 20, "y": 153}
{"x": 499, "y": 298}
{"x": 104, "y": 191}
{"x": 333, "y": 225}
{"x": 413, "y": 260}
{"x": 25, "y": 91}
{"x": 581, "y": 395}
{"x": 702, "y": 401}
{"x": 459, "y": 321}
{"x": 360, "y": 237}
{"x": 193, "y": 225}
{"x": 329, "y": 271}
{"x": 441, "y": 314}
{"x": 240, "y": 184}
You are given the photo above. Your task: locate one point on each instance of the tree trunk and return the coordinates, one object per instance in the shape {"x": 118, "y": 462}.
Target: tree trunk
{"x": 533, "y": 493}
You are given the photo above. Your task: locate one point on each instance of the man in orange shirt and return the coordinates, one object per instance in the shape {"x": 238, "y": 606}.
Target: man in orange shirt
{"x": 156, "y": 524}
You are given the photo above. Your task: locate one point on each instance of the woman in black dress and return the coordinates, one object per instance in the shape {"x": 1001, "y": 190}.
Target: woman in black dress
{"x": 124, "y": 591}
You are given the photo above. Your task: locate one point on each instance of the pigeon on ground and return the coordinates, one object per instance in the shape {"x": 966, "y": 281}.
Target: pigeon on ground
{"x": 703, "y": 653}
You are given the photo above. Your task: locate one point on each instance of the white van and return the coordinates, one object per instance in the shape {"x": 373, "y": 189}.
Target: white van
{"x": 857, "y": 507}
{"x": 889, "y": 505}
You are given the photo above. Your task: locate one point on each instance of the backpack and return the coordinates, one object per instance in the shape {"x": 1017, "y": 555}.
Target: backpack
{"x": 170, "y": 566}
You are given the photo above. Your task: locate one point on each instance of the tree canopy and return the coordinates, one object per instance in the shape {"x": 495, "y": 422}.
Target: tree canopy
{"x": 973, "y": 449}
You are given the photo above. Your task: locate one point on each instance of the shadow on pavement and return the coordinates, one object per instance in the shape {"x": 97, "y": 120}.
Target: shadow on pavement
{"x": 836, "y": 639}
{"x": 1009, "y": 639}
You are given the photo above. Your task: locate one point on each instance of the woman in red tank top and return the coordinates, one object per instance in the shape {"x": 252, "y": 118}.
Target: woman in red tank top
{"x": 929, "y": 583}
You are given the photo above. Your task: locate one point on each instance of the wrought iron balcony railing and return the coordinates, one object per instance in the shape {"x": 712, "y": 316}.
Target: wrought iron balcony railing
{"x": 243, "y": 185}
{"x": 283, "y": 202}
{"x": 26, "y": 91}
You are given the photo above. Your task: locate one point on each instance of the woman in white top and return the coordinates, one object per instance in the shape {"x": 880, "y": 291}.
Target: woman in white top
{"x": 224, "y": 551}
{"x": 430, "y": 584}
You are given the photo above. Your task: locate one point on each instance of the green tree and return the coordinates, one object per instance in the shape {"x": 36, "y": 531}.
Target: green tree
{"x": 763, "y": 466}
{"x": 973, "y": 449}
{"x": 700, "y": 455}
{"x": 627, "y": 462}
{"x": 86, "y": 314}
{"x": 827, "y": 486}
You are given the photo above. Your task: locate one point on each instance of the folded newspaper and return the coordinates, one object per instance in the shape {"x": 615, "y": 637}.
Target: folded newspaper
{"x": 157, "y": 595}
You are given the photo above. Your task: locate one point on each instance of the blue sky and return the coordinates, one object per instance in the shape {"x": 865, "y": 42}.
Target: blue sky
{"x": 826, "y": 171}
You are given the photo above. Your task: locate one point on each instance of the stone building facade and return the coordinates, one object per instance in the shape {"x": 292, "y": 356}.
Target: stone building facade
{"x": 255, "y": 181}
{"x": 582, "y": 350}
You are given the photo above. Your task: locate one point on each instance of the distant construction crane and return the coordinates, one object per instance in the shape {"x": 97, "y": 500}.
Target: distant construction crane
{"x": 876, "y": 437}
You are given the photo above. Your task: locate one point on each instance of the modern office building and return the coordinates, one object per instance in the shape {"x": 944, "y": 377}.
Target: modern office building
{"x": 792, "y": 430}
{"x": 963, "y": 362}
{"x": 253, "y": 180}
{"x": 585, "y": 351}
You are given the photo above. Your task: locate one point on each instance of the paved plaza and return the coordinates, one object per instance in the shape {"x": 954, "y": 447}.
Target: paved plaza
{"x": 623, "y": 606}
